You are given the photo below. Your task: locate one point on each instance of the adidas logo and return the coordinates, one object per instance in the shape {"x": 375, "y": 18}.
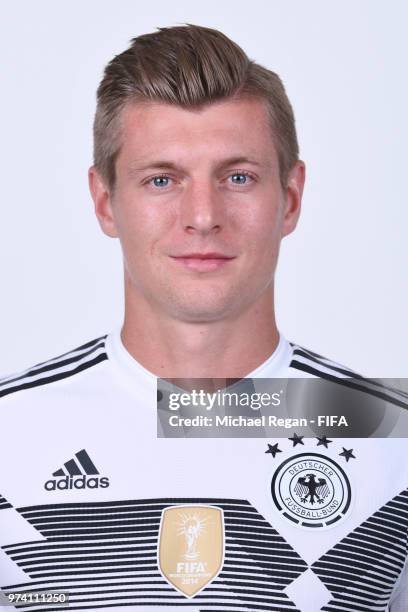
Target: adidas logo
{"x": 77, "y": 473}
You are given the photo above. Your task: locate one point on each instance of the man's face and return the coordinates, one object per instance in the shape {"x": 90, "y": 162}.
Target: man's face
{"x": 198, "y": 207}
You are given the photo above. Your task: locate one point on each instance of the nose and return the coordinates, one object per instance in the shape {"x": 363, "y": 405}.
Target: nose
{"x": 201, "y": 209}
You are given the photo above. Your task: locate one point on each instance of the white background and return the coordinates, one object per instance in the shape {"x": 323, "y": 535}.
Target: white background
{"x": 342, "y": 281}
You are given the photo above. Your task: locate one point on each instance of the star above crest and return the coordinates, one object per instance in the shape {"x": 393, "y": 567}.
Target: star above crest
{"x": 273, "y": 449}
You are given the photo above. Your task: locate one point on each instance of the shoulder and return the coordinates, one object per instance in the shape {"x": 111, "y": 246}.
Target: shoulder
{"x": 307, "y": 363}
{"x": 56, "y": 369}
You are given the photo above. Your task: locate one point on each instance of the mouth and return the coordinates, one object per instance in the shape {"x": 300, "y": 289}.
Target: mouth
{"x": 203, "y": 262}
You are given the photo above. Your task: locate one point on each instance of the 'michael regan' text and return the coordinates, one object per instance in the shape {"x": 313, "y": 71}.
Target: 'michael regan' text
{"x": 262, "y": 421}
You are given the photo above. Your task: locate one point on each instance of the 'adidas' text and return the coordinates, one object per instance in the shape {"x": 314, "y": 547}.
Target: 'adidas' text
{"x": 82, "y": 482}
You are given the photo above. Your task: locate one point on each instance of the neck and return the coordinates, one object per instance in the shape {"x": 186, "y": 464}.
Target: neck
{"x": 170, "y": 348}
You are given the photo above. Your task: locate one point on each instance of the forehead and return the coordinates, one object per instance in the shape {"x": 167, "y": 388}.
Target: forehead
{"x": 228, "y": 128}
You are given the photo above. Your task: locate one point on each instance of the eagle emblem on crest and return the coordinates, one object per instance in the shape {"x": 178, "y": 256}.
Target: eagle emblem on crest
{"x": 310, "y": 489}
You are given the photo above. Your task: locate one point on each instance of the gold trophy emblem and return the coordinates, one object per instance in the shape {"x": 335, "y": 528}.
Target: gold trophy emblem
{"x": 191, "y": 546}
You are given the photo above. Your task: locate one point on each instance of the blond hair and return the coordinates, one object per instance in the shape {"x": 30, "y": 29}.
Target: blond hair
{"x": 189, "y": 66}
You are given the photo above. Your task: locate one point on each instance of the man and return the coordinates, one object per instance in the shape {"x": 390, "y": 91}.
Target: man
{"x": 196, "y": 171}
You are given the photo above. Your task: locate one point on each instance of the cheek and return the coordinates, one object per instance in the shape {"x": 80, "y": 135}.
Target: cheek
{"x": 262, "y": 226}
{"x": 262, "y": 238}
{"x": 139, "y": 227}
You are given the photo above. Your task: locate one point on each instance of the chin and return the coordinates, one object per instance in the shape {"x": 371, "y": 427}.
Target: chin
{"x": 202, "y": 311}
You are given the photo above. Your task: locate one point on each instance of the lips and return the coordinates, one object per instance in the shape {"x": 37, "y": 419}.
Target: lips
{"x": 203, "y": 262}
{"x": 203, "y": 256}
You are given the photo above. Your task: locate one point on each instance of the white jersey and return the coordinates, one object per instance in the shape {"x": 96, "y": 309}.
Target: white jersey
{"x": 95, "y": 505}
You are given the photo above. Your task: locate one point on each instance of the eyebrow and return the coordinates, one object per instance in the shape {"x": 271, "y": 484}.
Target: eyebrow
{"x": 233, "y": 161}
{"x": 159, "y": 165}
{"x": 168, "y": 165}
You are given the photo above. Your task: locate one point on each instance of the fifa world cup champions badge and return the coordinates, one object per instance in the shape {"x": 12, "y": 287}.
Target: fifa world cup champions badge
{"x": 191, "y": 546}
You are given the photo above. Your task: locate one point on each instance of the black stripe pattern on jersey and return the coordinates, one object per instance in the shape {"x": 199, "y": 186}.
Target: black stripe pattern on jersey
{"x": 64, "y": 366}
{"x": 4, "y": 503}
{"x": 362, "y": 569}
{"x": 105, "y": 554}
{"x": 316, "y": 365}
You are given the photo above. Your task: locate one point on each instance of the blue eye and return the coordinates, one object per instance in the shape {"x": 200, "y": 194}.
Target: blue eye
{"x": 239, "y": 178}
{"x": 160, "y": 181}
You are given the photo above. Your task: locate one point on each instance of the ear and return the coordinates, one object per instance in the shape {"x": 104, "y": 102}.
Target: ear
{"x": 103, "y": 202}
{"x": 293, "y": 197}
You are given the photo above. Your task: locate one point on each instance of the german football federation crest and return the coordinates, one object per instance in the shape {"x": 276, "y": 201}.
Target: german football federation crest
{"x": 191, "y": 546}
{"x": 311, "y": 490}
